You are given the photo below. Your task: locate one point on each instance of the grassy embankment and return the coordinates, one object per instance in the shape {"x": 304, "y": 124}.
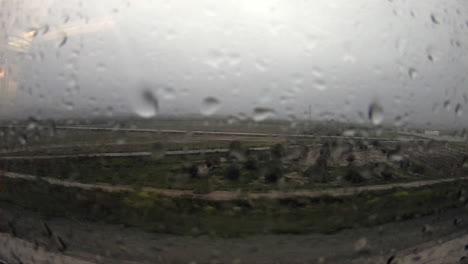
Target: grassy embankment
{"x": 153, "y": 212}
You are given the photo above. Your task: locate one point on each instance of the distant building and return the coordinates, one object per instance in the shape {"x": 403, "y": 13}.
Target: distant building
{"x": 431, "y": 132}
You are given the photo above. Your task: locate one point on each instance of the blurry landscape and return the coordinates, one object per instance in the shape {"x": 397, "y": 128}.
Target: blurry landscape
{"x": 219, "y": 178}
{"x": 233, "y": 132}
{"x": 211, "y": 160}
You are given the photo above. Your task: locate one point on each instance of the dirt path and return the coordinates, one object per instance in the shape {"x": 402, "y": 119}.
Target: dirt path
{"x": 231, "y": 195}
{"x": 127, "y": 154}
{"x": 227, "y": 133}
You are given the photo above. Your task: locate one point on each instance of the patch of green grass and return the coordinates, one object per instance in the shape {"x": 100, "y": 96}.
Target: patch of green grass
{"x": 152, "y": 211}
{"x": 171, "y": 172}
{"x": 167, "y": 145}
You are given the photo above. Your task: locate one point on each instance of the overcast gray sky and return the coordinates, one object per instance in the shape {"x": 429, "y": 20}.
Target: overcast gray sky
{"x": 110, "y": 57}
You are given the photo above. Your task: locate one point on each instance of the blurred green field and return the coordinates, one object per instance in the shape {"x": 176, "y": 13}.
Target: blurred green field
{"x": 153, "y": 212}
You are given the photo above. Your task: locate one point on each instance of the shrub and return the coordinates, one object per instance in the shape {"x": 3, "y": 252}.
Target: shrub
{"x": 236, "y": 151}
{"x": 212, "y": 161}
{"x": 157, "y": 150}
{"x": 404, "y": 163}
{"x": 251, "y": 163}
{"x": 353, "y": 176}
{"x": 418, "y": 169}
{"x": 192, "y": 170}
{"x": 235, "y": 146}
{"x": 304, "y": 152}
{"x": 264, "y": 156}
{"x": 325, "y": 150}
{"x": 321, "y": 162}
{"x": 317, "y": 174}
{"x": 351, "y": 158}
{"x": 232, "y": 172}
{"x": 387, "y": 173}
{"x": 273, "y": 173}
{"x": 361, "y": 145}
{"x": 277, "y": 151}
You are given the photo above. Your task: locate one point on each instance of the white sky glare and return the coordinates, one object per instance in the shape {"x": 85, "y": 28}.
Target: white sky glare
{"x": 337, "y": 56}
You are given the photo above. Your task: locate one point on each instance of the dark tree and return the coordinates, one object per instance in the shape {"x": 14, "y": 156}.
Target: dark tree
{"x": 251, "y": 163}
{"x": 212, "y": 161}
{"x": 353, "y": 176}
{"x": 278, "y": 151}
{"x": 192, "y": 170}
{"x": 273, "y": 172}
{"x": 232, "y": 172}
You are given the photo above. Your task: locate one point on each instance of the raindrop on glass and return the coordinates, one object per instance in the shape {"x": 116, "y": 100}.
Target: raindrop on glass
{"x": 262, "y": 113}
{"x": 157, "y": 151}
{"x": 209, "y": 106}
{"x": 412, "y": 73}
{"x": 168, "y": 93}
{"x": 31, "y": 33}
{"x": 45, "y": 29}
{"x": 447, "y": 105}
{"x": 360, "y": 244}
{"x": 376, "y": 114}
{"x": 149, "y": 105}
{"x": 64, "y": 40}
{"x": 458, "y": 110}
{"x": 434, "y": 19}
{"x": 398, "y": 120}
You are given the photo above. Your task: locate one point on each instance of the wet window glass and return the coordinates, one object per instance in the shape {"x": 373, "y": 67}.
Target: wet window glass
{"x": 233, "y": 131}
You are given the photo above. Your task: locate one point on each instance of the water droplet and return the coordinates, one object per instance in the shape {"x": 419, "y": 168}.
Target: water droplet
{"x": 427, "y": 229}
{"x": 262, "y": 113}
{"x": 396, "y": 157}
{"x": 22, "y": 140}
{"x": 447, "y": 105}
{"x": 376, "y": 114}
{"x": 210, "y": 106}
{"x": 51, "y": 127}
{"x": 69, "y": 105}
{"x": 412, "y": 73}
{"x": 149, "y": 105}
{"x": 32, "y": 124}
{"x": 360, "y": 244}
{"x": 101, "y": 67}
{"x": 398, "y": 120}
{"x": 261, "y": 65}
{"x": 168, "y": 92}
{"x": 320, "y": 85}
{"x": 45, "y": 29}
{"x": 214, "y": 59}
{"x": 157, "y": 151}
{"x": 241, "y": 116}
{"x": 64, "y": 40}
{"x": 458, "y": 110}
{"x": 434, "y": 19}
{"x": 311, "y": 43}
{"x": 31, "y": 33}
{"x": 348, "y": 58}
{"x": 66, "y": 18}
{"x": 349, "y": 133}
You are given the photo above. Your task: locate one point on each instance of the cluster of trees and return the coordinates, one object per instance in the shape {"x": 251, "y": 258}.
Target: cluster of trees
{"x": 240, "y": 160}
{"x": 269, "y": 165}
